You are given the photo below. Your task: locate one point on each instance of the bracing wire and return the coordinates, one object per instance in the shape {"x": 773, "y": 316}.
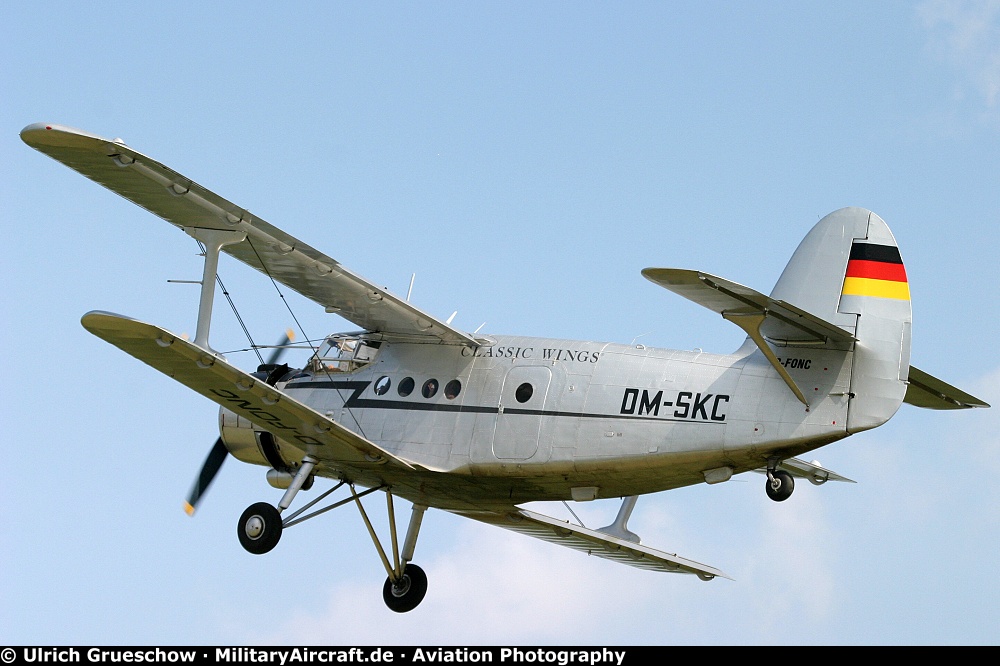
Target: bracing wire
{"x": 253, "y": 345}
{"x": 282, "y": 295}
{"x": 288, "y": 307}
{"x": 315, "y": 351}
{"x": 574, "y": 514}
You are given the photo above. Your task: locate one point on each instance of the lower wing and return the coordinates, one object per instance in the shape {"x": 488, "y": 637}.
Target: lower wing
{"x": 592, "y": 542}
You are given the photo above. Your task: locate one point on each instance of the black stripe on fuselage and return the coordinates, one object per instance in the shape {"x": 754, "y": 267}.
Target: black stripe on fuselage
{"x": 357, "y": 402}
{"x": 871, "y": 252}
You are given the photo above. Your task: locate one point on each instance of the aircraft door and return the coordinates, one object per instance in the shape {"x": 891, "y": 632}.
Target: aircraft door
{"x": 519, "y": 419}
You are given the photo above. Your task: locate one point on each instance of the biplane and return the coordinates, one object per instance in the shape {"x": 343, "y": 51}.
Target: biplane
{"x": 481, "y": 424}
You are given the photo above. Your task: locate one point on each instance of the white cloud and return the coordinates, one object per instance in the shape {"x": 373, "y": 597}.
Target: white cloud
{"x": 966, "y": 33}
{"x": 492, "y": 587}
{"x": 976, "y": 442}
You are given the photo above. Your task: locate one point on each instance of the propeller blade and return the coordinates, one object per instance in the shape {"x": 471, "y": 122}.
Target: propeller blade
{"x": 280, "y": 347}
{"x": 218, "y": 454}
{"x": 213, "y": 462}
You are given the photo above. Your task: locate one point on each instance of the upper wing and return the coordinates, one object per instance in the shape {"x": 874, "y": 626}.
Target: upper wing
{"x": 187, "y": 205}
{"x": 592, "y": 542}
{"x": 930, "y": 392}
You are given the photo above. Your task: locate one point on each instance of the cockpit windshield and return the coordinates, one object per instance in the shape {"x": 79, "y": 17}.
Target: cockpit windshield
{"x": 344, "y": 353}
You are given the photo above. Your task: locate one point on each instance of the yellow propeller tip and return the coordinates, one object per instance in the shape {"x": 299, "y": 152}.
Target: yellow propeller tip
{"x": 291, "y": 335}
{"x": 188, "y": 509}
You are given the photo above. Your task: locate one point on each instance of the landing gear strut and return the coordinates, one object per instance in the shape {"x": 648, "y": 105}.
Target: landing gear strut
{"x": 260, "y": 528}
{"x": 406, "y": 584}
{"x": 779, "y": 485}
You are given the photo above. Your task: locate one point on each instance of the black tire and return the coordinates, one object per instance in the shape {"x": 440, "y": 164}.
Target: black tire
{"x": 785, "y": 485}
{"x": 407, "y": 594}
{"x": 259, "y": 528}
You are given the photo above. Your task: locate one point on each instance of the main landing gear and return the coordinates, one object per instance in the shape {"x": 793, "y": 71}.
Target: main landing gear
{"x": 779, "y": 484}
{"x": 260, "y": 527}
{"x": 406, "y": 592}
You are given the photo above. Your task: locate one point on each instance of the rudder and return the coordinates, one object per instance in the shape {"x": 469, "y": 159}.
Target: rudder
{"x": 848, "y": 270}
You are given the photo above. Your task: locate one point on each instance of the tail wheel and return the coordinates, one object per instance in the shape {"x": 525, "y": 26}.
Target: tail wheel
{"x": 259, "y": 528}
{"x": 779, "y": 485}
{"x": 406, "y": 593}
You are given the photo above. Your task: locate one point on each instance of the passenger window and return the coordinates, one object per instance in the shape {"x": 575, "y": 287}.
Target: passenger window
{"x": 405, "y": 387}
{"x": 382, "y": 385}
{"x": 523, "y": 392}
{"x": 430, "y": 388}
{"x": 452, "y": 389}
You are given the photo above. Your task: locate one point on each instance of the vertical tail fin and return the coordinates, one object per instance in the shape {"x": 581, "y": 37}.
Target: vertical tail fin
{"x": 848, "y": 271}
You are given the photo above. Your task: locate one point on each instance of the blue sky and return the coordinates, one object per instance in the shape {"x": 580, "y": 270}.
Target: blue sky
{"x": 526, "y": 161}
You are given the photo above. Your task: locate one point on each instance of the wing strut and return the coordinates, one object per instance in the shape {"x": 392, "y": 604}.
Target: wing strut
{"x": 213, "y": 240}
{"x": 751, "y": 322}
{"x": 619, "y": 528}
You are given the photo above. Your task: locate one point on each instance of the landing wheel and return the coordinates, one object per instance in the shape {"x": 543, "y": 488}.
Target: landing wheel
{"x": 406, "y": 593}
{"x": 780, "y": 487}
{"x": 260, "y": 528}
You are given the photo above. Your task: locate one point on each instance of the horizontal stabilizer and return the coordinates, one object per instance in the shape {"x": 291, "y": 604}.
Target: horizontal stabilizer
{"x": 593, "y": 542}
{"x": 783, "y": 323}
{"x": 240, "y": 392}
{"x": 930, "y": 392}
{"x": 811, "y": 471}
{"x": 763, "y": 318}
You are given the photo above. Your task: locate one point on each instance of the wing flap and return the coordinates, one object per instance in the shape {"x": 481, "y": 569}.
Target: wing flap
{"x": 264, "y": 405}
{"x": 592, "y": 542}
{"x": 187, "y": 205}
{"x": 930, "y": 392}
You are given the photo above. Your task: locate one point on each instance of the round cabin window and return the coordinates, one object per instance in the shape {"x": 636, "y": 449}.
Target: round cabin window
{"x": 452, "y": 389}
{"x": 405, "y": 387}
{"x": 382, "y": 385}
{"x": 523, "y": 392}
{"x": 430, "y": 388}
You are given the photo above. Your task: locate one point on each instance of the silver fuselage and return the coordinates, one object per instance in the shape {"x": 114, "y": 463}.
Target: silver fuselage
{"x": 599, "y": 420}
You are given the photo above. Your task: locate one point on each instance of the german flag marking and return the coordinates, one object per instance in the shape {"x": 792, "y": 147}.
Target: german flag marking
{"x": 876, "y": 270}
{"x": 878, "y": 288}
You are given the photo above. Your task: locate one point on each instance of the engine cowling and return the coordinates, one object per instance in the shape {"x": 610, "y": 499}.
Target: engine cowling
{"x": 252, "y": 444}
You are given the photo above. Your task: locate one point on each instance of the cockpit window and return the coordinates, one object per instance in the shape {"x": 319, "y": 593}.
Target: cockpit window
{"x": 344, "y": 353}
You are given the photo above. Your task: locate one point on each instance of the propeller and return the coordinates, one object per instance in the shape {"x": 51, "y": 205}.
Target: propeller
{"x": 218, "y": 454}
